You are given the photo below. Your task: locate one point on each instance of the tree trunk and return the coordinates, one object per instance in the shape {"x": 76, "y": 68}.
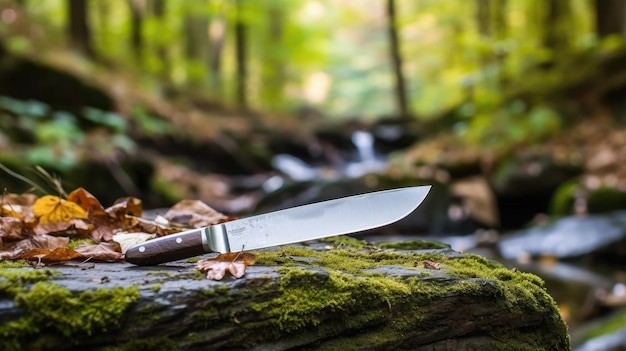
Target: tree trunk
{"x": 499, "y": 18}
{"x": 491, "y": 18}
{"x": 78, "y": 29}
{"x": 555, "y": 34}
{"x": 240, "y": 48}
{"x": 196, "y": 47}
{"x": 158, "y": 11}
{"x": 396, "y": 61}
{"x": 273, "y": 64}
{"x": 483, "y": 18}
{"x": 610, "y": 17}
{"x": 136, "y": 25}
{"x": 217, "y": 34}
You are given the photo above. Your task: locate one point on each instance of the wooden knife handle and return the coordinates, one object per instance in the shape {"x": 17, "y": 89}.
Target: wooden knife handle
{"x": 167, "y": 248}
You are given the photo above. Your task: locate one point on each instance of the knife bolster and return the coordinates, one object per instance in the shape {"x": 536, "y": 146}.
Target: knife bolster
{"x": 215, "y": 239}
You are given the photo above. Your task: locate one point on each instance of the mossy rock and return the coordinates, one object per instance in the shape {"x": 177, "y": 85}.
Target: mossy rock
{"x": 336, "y": 295}
{"x": 601, "y": 200}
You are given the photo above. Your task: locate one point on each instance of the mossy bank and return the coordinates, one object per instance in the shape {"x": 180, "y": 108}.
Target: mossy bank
{"x": 340, "y": 294}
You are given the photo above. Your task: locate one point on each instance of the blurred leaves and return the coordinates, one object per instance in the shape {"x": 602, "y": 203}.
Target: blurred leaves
{"x": 52, "y": 229}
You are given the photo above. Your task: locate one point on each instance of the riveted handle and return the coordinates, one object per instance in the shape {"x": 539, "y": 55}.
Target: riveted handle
{"x": 166, "y": 249}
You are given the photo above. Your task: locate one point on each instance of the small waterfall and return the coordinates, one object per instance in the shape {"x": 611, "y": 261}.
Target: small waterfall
{"x": 367, "y": 161}
{"x": 364, "y": 143}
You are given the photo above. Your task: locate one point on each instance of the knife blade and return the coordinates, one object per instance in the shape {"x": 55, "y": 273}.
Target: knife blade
{"x": 303, "y": 223}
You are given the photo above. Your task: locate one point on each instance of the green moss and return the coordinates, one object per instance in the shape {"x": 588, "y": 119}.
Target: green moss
{"x": 345, "y": 240}
{"x": 193, "y": 259}
{"x": 76, "y": 242}
{"x": 413, "y": 245}
{"x": 13, "y": 281}
{"x": 562, "y": 202}
{"x": 341, "y": 280}
{"x": 4, "y": 264}
{"x": 155, "y": 287}
{"x": 53, "y": 311}
{"x": 605, "y": 199}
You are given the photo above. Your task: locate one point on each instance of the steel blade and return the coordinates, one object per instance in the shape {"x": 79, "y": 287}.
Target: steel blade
{"x": 319, "y": 220}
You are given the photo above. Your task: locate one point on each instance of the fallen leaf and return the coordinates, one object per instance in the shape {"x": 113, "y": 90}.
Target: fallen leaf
{"x": 11, "y": 228}
{"x": 74, "y": 227}
{"x": 102, "y": 232}
{"x": 48, "y": 242}
{"x": 109, "y": 251}
{"x": 234, "y": 262}
{"x": 120, "y": 216}
{"x": 17, "y": 205}
{"x": 53, "y": 209}
{"x": 125, "y": 206}
{"x": 59, "y": 254}
{"x": 152, "y": 227}
{"x": 87, "y": 202}
{"x": 128, "y": 240}
{"x": 195, "y": 214}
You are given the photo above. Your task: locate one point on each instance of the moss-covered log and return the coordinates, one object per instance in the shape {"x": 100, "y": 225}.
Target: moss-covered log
{"x": 341, "y": 294}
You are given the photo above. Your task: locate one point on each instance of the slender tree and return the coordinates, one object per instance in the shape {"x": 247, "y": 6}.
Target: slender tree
{"x": 483, "y": 18}
{"x": 136, "y": 28}
{"x": 491, "y": 17}
{"x": 158, "y": 10}
{"x": 78, "y": 27}
{"x": 196, "y": 42}
{"x": 241, "y": 56}
{"x": 217, "y": 36}
{"x": 396, "y": 61}
{"x": 556, "y": 36}
{"x": 610, "y": 17}
{"x": 273, "y": 64}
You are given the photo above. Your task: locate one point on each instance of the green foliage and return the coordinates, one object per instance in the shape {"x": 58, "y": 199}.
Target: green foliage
{"x": 107, "y": 119}
{"x": 61, "y": 139}
{"x": 334, "y": 56}
{"x": 510, "y": 125}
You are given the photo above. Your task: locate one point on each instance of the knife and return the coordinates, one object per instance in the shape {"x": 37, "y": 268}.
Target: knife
{"x": 308, "y": 222}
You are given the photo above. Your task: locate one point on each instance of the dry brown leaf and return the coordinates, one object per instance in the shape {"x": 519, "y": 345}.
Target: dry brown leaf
{"x": 48, "y": 242}
{"x": 73, "y": 227}
{"x": 125, "y": 206}
{"x": 59, "y": 254}
{"x": 152, "y": 227}
{"x": 11, "y": 228}
{"x": 87, "y": 202}
{"x": 195, "y": 214}
{"x": 110, "y": 251}
{"x": 234, "y": 262}
{"x": 52, "y": 209}
{"x": 102, "y": 232}
{"x": 17, "y": 205}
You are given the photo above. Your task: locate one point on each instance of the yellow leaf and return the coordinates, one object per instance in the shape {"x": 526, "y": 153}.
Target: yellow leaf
{"x": 52, "y": 209}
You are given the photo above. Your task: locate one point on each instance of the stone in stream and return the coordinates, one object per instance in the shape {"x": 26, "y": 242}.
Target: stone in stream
{"x": 569, "y": 237}
{"x": 341, "y": 293}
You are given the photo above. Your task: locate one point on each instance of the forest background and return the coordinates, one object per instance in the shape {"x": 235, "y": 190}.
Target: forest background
{"x": 496, "y": 78}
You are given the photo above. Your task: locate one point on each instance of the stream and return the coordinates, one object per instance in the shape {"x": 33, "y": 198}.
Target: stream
{"x": 578, "y": 257}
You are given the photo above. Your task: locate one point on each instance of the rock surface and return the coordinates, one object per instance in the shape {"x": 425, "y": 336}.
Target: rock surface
{"x": 573, "y": 236}
{"x": 338, "y": 294}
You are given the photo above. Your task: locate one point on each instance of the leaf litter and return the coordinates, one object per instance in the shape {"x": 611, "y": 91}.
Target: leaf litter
{"x": 46, "y": 229}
